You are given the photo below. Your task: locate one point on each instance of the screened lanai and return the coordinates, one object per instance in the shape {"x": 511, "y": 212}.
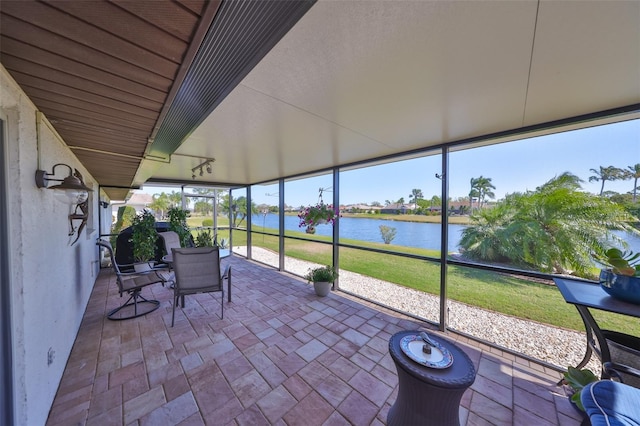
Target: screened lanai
{"x": 134, "y": 93}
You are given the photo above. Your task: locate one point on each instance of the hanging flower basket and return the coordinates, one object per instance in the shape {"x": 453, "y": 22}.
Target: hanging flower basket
{"x": 319, "y": 214}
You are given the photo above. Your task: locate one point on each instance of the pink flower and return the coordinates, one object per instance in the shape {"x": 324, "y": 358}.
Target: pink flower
{"x": 317, "y": 215}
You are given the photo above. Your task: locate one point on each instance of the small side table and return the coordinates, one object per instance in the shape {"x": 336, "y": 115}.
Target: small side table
{"x": 608, "y": 345}
{"x": 429, "y": 395}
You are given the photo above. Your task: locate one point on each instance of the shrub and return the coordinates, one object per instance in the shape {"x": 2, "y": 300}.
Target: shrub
{"x": 144, "y": 236}
{"x": 388, "y": 233}
{"x": 204, "y": 238}
{"x": 178, "y": 224}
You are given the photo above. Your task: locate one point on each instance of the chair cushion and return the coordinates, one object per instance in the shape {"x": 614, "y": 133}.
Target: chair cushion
{"x": 611, "y": 403}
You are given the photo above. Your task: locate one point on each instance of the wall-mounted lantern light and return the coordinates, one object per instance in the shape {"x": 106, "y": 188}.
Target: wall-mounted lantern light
{"x": 70, "y": 191}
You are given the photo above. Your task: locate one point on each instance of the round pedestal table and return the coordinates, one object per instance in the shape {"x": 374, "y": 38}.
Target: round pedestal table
{"x": 429, "y": 396}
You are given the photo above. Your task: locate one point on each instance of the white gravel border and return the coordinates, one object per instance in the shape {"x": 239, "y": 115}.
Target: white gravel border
{"x": 554, "y": 345}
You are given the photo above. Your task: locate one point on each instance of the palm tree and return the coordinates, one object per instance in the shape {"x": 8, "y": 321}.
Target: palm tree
{"x": 203, "y": 207}
{"x": 604, "y": 174}
{"x": 239, "y": 209}
{"x": 482, "y": 240}
{"x": 206, "y": 191}
{"x": 415, "y": 195}
{"x": 481, "y": 188}
{"x": 160, "y": 203}
{"x": 175, "y": 198}
{"x": 473, "y": 193}
{"x": 485, "y": 187}
{"x": 556, "y": 228}
{"x": 634, "y": 173}
{"x": 565, "y": 180}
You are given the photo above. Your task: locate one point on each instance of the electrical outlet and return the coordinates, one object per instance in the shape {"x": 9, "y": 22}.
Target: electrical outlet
{"x": 51, "y": 354}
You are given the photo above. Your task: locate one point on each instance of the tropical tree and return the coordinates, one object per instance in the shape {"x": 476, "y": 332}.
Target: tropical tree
{"x": 124, "y": 219}
{"x": 634, "y": 173}
{"x": 175, "y": 198}
{"x": 484, "y": 187}
{"x": 400, "y": 200}
{"x": 238, "y": 209}
{"x": 160, "y": 204}
{"x": 435, "y": 201}
{"x": 204, "y": 204}
{"x": 604, "y": 174}
{"x": 423, "y": 206}
{"x": 482, "y": 240}
{"x": 556, "y": 228}
{"x": 565, "y": 180}
{"x": 481, "y": 188}
{"x": 464, "y": 209}
{"x": 203, "y": 207}
{"x": 473, "y": 193}
{"x": 415, "y": 195}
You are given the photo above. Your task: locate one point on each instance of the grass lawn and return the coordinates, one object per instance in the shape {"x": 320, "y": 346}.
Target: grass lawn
{"x": 489, "y": 290}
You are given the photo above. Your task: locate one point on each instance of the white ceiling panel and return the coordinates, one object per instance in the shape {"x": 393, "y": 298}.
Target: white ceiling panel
{"x": 586, "y": 59}
{"x": 356, "y": 80}
{"x": 405, "y": 73}
{"x": 250, "y": 128}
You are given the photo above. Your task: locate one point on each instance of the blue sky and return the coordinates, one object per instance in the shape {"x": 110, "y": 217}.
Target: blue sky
{"x": 513, "y": 166}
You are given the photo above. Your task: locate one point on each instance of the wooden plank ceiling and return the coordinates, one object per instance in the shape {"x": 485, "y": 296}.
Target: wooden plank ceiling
{"x": 102, "y": 71}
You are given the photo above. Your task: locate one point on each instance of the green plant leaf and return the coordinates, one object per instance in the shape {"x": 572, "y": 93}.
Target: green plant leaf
{"x": 614, "y": 253}
{"x": 578, "y": 379}
{"x": 575, "y": 398}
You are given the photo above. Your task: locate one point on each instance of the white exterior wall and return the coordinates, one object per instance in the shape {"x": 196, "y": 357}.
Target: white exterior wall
{"x": 50, "y": 280}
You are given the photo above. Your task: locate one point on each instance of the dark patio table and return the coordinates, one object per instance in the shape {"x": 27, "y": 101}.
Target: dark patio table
{"x": 585, "y": 295}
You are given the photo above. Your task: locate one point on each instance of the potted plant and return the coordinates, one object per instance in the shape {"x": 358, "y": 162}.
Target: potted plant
{"x": 144, "y": 239}
{"x": 622, "y": 277}
{"x": 311, "y": 216}
{"x": 322, "y": 279}
{"x": 577, "y": 380}
{"x": 178, "y": 224}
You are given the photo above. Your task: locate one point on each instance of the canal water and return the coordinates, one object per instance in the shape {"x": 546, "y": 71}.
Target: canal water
{"x": 409, "y": 234}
